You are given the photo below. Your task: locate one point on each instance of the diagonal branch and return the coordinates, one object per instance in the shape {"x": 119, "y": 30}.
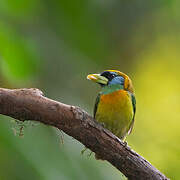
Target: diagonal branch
{"x": 30, "y": 104}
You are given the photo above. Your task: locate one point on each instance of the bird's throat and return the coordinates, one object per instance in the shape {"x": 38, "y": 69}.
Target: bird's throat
{"x": 111, "y": 88}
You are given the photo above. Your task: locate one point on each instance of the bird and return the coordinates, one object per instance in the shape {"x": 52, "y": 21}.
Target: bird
{"x": 115, "y": 105}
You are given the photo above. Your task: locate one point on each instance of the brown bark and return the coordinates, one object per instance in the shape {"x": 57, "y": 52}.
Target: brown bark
{"x": 30, "y": 104}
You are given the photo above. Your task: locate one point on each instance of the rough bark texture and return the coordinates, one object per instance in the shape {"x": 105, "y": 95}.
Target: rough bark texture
{"x": 30, "y": 104}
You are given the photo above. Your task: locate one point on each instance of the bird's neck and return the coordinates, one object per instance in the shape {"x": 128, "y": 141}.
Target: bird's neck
{"x": 111, "y": 88}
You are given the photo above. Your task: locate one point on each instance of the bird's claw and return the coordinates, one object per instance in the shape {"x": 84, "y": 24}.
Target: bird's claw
{"x": 125, "y": 143}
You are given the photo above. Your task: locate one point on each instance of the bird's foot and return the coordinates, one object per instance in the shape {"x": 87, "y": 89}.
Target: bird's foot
{"x": 125, "y": 143}
{"x": 102, "y": 124}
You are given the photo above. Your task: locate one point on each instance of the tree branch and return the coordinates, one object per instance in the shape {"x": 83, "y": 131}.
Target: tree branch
{"x": 30, "y": 104}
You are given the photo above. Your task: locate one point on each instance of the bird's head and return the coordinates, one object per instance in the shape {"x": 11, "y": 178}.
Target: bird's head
{"x": 110, "y": 77}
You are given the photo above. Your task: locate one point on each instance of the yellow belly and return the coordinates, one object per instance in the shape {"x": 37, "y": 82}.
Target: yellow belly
{"x": 115, "y": 111}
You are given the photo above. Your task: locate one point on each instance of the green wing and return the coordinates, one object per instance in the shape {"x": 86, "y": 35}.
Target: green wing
{"x": 96, "y": 104}
{"x": 134, "y": 110}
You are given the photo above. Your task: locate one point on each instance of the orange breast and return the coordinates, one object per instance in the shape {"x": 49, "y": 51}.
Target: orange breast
{"x": 115, "y": 97}
{"x": 115, "y": 110}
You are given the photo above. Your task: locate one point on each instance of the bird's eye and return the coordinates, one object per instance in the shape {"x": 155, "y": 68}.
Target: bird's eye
{"x": 113, "y": 76}
{"x": 109, "y": 75}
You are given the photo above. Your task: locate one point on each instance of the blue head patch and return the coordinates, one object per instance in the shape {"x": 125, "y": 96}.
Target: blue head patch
{"x": 117, "y": 80}
{"x": 113, "y": 78}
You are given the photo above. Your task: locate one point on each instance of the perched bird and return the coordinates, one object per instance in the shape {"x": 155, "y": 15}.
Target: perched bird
{"x": 115, "y": 105}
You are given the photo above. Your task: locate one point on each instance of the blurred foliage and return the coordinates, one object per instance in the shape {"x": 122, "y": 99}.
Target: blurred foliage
{"x": 53, "y": 45}
{"x": 15, "y": 53}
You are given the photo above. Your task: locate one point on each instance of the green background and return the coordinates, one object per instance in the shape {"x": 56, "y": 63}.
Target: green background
{"x": 53, "y": 45}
